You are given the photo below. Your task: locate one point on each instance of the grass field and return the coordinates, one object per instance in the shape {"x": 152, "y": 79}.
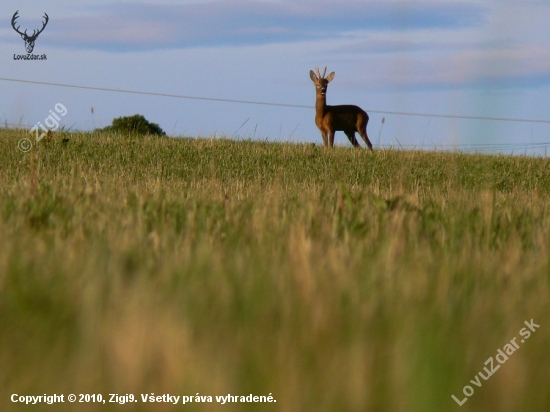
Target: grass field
{"x": 334, "y": 280}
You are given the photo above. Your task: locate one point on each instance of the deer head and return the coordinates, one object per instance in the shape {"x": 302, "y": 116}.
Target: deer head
{"x": 321, "y": 82}
{"x": 29, "y": 40}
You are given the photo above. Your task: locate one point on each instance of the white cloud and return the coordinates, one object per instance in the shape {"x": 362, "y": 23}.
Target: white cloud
{"x": 123, "y": 27}
{"x": 511, "y": 50}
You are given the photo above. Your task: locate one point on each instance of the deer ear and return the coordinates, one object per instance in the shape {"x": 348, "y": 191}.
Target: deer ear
{"x": 330, "y": 77}
{"x": 313, "y": 75}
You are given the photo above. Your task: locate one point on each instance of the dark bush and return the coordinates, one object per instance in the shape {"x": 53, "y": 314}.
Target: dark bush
{"x": 136, "y": 124}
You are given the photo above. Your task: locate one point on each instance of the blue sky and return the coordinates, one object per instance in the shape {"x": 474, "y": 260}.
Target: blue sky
{"x": 467, "y": 58}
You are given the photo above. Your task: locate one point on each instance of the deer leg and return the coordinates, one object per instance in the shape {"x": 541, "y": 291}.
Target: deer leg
{"x": 363, "y": 133}
{"x": 325, "y": 138}
{"x": 331, "y": 138}
{"x": 362, "y": 130}
{"x": 352, "y": 139}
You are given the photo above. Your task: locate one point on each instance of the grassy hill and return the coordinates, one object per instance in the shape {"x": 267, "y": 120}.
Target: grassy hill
{"x": 334, "y": 280}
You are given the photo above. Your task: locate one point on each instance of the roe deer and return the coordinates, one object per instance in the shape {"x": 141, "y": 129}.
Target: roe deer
{"x": 329, "y": 119}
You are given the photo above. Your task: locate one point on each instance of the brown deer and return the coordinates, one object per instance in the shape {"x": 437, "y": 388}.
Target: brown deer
{"x": 329, "y": 119}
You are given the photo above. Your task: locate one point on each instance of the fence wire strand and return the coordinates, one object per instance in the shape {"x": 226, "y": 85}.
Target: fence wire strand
{"x": 474, "y": 147}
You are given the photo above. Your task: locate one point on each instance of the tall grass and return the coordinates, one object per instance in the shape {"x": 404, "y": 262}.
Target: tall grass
{"x": 335, "y": 280}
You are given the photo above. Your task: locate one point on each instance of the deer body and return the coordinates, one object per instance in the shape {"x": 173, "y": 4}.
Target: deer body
{"x": 329, "y": 119}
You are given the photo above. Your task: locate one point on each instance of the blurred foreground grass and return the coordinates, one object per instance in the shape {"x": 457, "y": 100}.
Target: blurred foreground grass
{"x": 335, "y": 280}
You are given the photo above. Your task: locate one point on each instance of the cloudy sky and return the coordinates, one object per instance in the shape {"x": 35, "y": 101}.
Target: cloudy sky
{"x": 479, "y": 58}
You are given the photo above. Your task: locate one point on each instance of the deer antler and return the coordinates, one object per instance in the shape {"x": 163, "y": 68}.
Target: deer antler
{"x": 34, "y": 33}
{"x": 319, "y": 73}
{"x": 43, "y": 26}
{"x": 13, "y": 19}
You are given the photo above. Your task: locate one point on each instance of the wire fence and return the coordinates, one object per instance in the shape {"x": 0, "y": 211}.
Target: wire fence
{"x": 482, "y": 147}
{"x": 540, "y": 148}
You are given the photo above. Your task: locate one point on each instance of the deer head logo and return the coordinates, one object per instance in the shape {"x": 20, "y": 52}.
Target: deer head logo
{"x": 29, "y": 40}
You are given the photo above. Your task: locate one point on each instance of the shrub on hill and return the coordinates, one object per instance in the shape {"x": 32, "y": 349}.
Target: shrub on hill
{"x": 136, "y": 124}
